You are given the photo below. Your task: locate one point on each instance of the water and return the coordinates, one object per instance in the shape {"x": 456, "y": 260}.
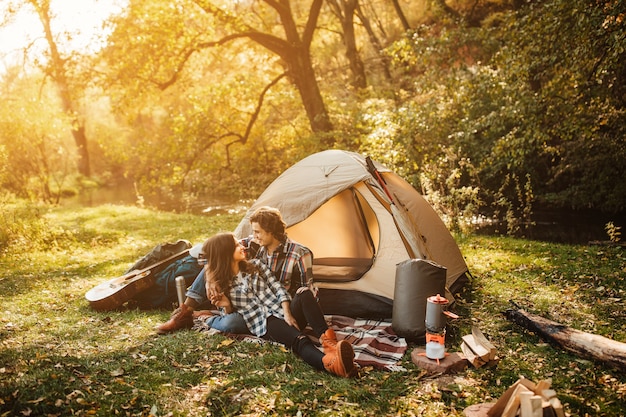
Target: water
{"x": 562, "y": 226}
{"x": 126, "y": 195}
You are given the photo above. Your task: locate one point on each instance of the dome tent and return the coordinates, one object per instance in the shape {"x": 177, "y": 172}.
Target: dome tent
{"x": 360, "y": 220}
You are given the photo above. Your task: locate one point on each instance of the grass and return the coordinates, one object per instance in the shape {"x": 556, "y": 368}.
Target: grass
{"x": 58, "y": 357}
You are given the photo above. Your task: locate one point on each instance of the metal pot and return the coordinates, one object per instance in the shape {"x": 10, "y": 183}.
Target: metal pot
{"x": 436, "y": 312}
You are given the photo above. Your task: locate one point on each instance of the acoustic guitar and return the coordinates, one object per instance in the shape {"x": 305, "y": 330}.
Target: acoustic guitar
{"x": 114, "y": 293}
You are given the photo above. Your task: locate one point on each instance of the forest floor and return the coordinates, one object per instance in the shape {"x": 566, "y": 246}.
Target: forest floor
{"x": 59, "y": 357}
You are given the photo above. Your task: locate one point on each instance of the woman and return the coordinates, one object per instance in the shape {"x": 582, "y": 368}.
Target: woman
{"x": 251, "y": 290}
{"x": 290, "y": 262}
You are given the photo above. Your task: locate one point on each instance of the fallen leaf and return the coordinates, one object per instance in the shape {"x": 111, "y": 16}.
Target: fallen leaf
{"x": 226, "y": 342}
{"x": 37, "y": 401}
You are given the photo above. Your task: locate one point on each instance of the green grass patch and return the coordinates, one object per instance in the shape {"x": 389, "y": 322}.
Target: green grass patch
{"x": 58, "y": 357}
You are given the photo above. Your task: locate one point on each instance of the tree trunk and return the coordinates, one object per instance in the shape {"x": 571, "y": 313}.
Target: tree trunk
{"x": 401, "y": 16}
{"x": 301, "y": 71}
{"x": 588, "y": 345}
{"x": 58, "y": 73}
{"x": 299, "y": 66}
{"x": 375, "y": 42}
{"x": 294, "y": 51}
{"x": 345, "y": 12}
{"x": 80, "y": 139}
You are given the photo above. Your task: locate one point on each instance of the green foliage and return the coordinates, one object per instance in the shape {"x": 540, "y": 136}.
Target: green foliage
{"x": 512, "y": 91}
{"x": 570, "y": 115}
{"x": 195, "y": 136}
{"x": 376, "y": 127}
{"x": 443, "y": 185}
{"x": 529, "y": 94}
{"x": 34, "y": 137}
{"x": 517, "y": 213}
{"x": 614, "y": 232}
{"x": 22, "y": 226}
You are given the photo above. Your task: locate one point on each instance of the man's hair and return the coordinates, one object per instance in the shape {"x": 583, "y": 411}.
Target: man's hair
{"x": 271, "y": 221}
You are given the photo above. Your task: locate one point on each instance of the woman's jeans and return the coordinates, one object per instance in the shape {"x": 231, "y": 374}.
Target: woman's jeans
{"x": 228, "y": 323}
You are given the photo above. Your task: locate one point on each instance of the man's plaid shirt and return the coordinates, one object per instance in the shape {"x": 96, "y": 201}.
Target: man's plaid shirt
{"x": 291, "y": 262}
{"x": 257, "y": 296}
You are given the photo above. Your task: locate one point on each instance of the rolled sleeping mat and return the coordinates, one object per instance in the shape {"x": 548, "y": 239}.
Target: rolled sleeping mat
{"x": 416, "y": 280}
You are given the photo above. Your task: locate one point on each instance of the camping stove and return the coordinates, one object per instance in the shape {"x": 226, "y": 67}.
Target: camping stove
{"x": 436, "y": 326}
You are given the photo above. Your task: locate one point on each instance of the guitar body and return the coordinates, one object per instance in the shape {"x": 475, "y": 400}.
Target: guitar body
{"x": 114, "y": 293}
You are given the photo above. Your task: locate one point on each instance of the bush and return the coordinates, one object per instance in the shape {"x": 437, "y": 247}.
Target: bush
{"x": 21, "y": 224}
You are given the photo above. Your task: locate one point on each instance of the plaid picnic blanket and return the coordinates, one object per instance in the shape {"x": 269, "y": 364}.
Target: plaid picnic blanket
{"x": 374, "y": 342}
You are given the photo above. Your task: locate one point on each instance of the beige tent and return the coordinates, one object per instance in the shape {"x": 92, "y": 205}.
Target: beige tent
{"x": 360, "y": 222}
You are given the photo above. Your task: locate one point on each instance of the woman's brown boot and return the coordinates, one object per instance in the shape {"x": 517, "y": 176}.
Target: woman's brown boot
{"x": 182, "y": 318}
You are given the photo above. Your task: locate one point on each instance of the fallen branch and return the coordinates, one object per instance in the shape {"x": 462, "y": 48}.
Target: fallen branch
{"x": 588, "y": 345}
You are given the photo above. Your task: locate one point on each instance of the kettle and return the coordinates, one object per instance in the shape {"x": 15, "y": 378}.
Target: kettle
{"x": 435, "y": 312}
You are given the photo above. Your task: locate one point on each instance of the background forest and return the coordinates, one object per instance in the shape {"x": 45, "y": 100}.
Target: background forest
{"x": 486, "y": 106}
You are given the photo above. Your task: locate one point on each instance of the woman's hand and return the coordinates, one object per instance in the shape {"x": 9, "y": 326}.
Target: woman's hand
{"x": 219, "y": 300}
{"x": 217, "y": 297}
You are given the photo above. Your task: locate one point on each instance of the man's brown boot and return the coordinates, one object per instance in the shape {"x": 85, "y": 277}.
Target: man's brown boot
{"x": 328, "y": 340}
{"x": 182, "y": 318}
{"x": 341, "y": 361}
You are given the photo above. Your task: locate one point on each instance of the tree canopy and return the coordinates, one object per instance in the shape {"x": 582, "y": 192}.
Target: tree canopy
{"x": 502, "y": 105}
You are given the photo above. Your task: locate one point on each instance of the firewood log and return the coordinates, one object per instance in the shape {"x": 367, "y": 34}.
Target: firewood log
{"x": 595, "y": 347}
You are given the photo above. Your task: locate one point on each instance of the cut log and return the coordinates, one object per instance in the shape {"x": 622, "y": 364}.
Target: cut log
{"x": 480, "y": 353}
{"x": 548, "y": 393}
{"x": 557, "y": 407}
{"x": 530, "y": 404}
{"x": 471, "y": 356}
{"x": 477, "y": 349}
{"x": 480, "y": 338}
{"x": 542, "y": 385}
{"x": 499, "y": 407}
{"x": 526, "y": 399}
{"x": 595, "y": 347}
{"x": 511, "y": 408}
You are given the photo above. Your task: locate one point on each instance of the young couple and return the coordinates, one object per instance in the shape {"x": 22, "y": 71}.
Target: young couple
{"x": 251, "y": 298}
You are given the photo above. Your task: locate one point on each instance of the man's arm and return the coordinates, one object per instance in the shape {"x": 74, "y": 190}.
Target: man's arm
{"x": 305, "y": 271}
{"x": 306, "y": 262}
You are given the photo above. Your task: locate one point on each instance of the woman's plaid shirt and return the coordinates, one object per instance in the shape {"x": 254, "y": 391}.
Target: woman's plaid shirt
{"x": 257, "y": 296}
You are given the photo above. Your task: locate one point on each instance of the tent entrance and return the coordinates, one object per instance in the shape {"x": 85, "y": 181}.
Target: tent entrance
{"x": 343, "y": 234}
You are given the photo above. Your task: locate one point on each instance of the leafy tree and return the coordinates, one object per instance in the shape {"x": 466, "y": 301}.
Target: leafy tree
{"x": 182, "y": 30}
{"x": 59, "y": 70}
{"x": 176, "y": 127}
{"x": 563, "y": 74}
{"x": 34, "y": 144}
{"x": 528, "y": 94}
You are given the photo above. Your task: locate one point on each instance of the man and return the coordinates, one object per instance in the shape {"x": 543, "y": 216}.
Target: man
{"x": 290, "y": 262}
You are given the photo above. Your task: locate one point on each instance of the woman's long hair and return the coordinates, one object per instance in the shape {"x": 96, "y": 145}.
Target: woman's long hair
{"x": 218, "y": 251}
